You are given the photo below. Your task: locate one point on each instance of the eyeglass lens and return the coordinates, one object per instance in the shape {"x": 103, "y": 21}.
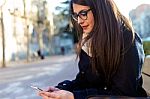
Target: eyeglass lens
{"x": 82, "y": 14}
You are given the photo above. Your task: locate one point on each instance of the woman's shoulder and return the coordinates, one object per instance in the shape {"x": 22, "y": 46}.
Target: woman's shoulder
{"x": 129, "y": 35}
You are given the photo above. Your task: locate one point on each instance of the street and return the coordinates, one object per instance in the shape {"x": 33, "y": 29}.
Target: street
{"x": 15, "y": 80}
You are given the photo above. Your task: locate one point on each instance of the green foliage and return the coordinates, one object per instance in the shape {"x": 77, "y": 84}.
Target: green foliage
{"x": 146, "y": 47}
{"x": 62, "y": 17}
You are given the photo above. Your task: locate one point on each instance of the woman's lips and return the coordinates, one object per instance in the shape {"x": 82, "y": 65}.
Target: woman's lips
{"x": 84, "y": 27}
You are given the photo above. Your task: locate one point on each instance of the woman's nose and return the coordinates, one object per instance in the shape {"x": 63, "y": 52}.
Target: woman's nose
{"x": 80, "y": 21}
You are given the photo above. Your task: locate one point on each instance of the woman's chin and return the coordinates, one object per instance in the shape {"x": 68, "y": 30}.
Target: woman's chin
{"x": 85, "y": 32}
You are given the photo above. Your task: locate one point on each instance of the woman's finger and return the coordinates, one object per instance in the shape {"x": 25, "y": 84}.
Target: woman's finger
{"x": 44, "y": 97}
{"x": 48, "y": 94}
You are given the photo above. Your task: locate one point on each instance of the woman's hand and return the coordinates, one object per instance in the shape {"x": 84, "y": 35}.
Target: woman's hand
{"x": 59, "y": 94}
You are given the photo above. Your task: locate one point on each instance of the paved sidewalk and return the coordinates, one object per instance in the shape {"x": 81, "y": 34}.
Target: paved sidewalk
{"x": 38, "y": 60}
{"x": 15, "y": 80}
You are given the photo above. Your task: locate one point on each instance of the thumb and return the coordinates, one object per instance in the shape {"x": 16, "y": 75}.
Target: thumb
{"x": 51, "y": 89}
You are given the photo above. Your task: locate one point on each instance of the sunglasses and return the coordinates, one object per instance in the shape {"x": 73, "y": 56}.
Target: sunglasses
{"x": 82, "y": 14}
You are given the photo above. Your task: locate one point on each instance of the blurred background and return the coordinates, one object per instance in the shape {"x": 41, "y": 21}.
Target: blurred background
{"x": 37, "y": 43}
{"x": 31, "y": 28}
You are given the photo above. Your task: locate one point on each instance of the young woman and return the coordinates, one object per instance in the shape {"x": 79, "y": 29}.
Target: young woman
{"x": 110, "y": 54}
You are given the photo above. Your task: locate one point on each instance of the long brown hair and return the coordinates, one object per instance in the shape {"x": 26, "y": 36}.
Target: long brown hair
{"x": 107, "y": 38}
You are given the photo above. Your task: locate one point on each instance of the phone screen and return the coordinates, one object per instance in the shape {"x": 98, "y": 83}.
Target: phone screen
{"x": 37, "y": 88}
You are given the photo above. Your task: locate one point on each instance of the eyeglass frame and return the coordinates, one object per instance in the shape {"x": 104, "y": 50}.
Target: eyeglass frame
{"x": 79, "y": 14}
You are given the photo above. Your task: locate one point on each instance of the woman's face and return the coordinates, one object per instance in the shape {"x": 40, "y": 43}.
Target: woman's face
{"x": 84, "y": 16}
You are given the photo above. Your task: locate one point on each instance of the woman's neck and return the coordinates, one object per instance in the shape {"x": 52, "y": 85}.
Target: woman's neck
{"x": 86, "y": 45}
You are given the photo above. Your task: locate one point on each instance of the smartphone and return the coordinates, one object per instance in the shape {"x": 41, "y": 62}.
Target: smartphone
{"x": 36, "y": 88}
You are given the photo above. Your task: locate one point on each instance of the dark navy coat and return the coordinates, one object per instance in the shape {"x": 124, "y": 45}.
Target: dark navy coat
{"x": 126, "y": 82}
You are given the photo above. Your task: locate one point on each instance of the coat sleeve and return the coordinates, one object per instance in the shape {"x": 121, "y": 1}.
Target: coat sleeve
{"x": 76, "y": 84}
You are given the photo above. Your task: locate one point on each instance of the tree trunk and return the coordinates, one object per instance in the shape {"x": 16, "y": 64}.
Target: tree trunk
{"x": 3, "y": 39}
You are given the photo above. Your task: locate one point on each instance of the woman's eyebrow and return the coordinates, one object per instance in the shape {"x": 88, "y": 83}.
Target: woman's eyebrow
{"x": 80, "y": 11}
